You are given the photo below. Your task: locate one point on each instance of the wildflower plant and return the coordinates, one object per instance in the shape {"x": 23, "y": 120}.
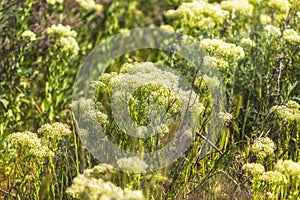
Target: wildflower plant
{"x": 65, "y": 38}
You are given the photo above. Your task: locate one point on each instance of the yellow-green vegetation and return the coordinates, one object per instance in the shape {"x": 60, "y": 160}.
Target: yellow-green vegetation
{"x": 254, "y": 44}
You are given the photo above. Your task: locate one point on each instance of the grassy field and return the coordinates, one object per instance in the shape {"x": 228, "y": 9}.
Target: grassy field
{"x": 243, "y": 130}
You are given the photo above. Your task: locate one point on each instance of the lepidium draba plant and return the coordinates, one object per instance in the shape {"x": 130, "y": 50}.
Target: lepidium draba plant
{"x": 127, "y": 108}
{"x": 28, "y": 158}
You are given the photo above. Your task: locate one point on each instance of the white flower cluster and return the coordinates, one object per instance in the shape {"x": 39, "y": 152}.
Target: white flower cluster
{"x": 291, "y": 36}
{"x": 271, "y": 10}
{"x": 53, "y": 2}
{"x": 28, "y": 35}
{"x": 90, "y": 5}
{"x": 56, "y": 130}
{"x": 30, "y": 141}
{"x": 98, "y": 171}
{"x": 132, "y": 164}
{"x": 65, "y": 38}
{"x": 222, "y": 52}
{"x": 240, "y": 7}
{"x": 61, "y": 30}
{"x": 133, "y": 76}
{"x": 263, "y": 147}
{"x": 272, "y": 30}
{"x": 274, "y": 177}
{"x": 279, "y": 8}
{"x": 211, "y": 82}
{"x": 289, "y": 168}
{"x": 219, "y": 63}
{"x": 91, "y": 186}
{"x": 226, "y": 117}
{"x": 97, "y": 189}
{"x": 288, "y": 112}
{"x": 198, "y": 14}
{"x": 86, "y": 108}
{"x": 285, "y": 171}
{"x": 83, "y": 105}
{"x": 254, "y": 168}
{"x": 219, "y": 48}
{"x": 265, "y": 19}
{"x": 247, "y": 42}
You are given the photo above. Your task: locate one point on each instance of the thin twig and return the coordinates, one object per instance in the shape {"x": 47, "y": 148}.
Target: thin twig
{"x": 212, "y": 144}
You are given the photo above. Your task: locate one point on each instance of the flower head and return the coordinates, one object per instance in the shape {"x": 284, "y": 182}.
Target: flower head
{"x": 28, "y": 35}
{"x": 272, "y": 30}
{"x": 65, "y": 38}
{"x": 219, "y": 48}
{"x": 291, "y": 36}
{"x": 289, "y": 168}
{"x": 254, "y": 168}
{"x": 211, "y": 82}
{"x": 56, "y": 130}
{"x": 273, "y": 177}
{"x": 247, "y": 42}
{"x": 263, "y": 147}
{"x": 132, "y": 164}
{"x": 288, "y": 112}
{"x": 61, "y": 30}
{"x": 197, "y": 14}
{"x": 68, "y": 44}
{"x": 90, "y": 5}
{"x": 90, "y": 187}
{"x": 226, "y": 117}
{"x": 30, "y": 142}
{"x": 241, "y": 7}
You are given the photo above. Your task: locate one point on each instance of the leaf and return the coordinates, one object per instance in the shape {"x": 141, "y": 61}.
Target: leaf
{"x": 4, "y": 102}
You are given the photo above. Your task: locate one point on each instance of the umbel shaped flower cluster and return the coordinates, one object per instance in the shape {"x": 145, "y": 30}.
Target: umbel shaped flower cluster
{"x": 288, "y": 112}
{"x": 201, "y": 15}
{"x": 91, "y": 186}
{"x": 263, "y": 147}
{"x": 222, "y": 52}
{"x": 132, "y": 164}
{"x": 140, "y": 85}
{"x": 291, "y": 36}
{"x": 197, "y": 14}
{"x": 65, "y": 38}
{"x": 31, "y": 145}
{"x": 285, "y": 172}
{"x": 28, "y": 35}
{"x": 85, "y": 4}
{"x": 239, "y": 7}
